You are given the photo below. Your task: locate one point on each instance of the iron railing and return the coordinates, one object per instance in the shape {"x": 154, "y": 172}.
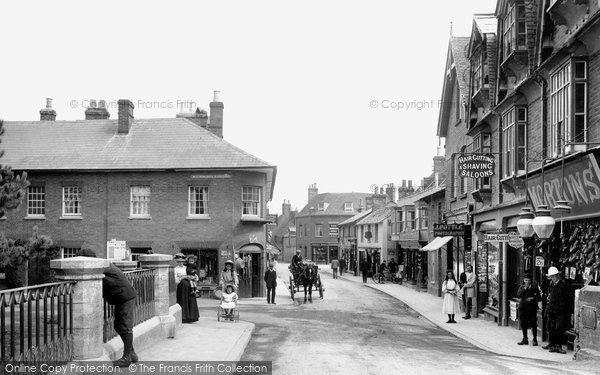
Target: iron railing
{"x": 143, "y": 282}
{"x": 172, "y": 287}
{"x": 36, "y": 323}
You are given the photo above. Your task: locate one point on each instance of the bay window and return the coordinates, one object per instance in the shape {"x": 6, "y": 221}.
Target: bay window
{"x": 514, "y": 135}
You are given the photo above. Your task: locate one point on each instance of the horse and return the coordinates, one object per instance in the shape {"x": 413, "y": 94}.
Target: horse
{"x": 308, "y": 278}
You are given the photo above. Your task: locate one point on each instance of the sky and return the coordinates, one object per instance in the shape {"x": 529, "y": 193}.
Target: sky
{"x": 343, "y": 94}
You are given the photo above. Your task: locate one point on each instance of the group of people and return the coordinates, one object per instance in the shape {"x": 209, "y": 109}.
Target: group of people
{"x": 529, "y": 295}
{"x": 380, "y": 269}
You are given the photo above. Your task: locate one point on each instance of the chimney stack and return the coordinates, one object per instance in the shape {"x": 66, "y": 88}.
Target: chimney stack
{"x": 313, "y": 191}
{"x": 48, "y": 114}
{"x": 198, "y": 117}
{"x": 216, "y": 115}
{"x": 286, "y": 208}
{"x": 125, "y": 116}
{"x": 390, "y": 191}
{"x": 99, "y": 112}
{"x": 439, "y": 164}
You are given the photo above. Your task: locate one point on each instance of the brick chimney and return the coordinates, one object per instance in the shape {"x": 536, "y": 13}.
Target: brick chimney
{"x": 125, "y": 115}
{"x": 48, "y": 114}
{"x": 313, "y": 191}
{"x": 97, "y": 112}
{"x": 216, "y": 115}
{"x": 390, "y": 191}
{"x": 286, "y": 208}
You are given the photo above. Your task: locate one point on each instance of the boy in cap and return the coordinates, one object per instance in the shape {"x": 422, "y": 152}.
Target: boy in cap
{"x": 529, "y": 296}
{"x": 118, "y": 291}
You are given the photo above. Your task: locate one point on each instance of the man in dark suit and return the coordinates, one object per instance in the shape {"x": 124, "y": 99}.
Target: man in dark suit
{"x": 118, "y": 291}
{"x": 271, "y": 280}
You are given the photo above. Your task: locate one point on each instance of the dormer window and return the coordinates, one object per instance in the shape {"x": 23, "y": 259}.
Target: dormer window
{"x": 321, "y": 206}
{"x": 348, "y": 207}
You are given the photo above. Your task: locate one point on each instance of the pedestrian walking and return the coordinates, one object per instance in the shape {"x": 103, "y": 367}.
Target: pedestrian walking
{"x": 364, "y": 269}
{"x": 556, "y": 312}
{"x": 382, "y": 268}
{"x": 335, "y": 264}
{"x": 529, "y": 296}
{"x": 469, "y": 291}
{"x": 118, "y": 291}
{"x": 450, "y": 289}
{"x": 393, "y": 267}
{"x": 342, "y": 266}
{"x": 271, "y": 281}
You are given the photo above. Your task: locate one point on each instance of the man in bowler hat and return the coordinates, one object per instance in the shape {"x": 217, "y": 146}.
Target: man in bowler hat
{"x": 271, "y": 280}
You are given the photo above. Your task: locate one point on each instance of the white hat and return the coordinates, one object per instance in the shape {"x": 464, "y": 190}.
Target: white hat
{"x": 552, "y": 271}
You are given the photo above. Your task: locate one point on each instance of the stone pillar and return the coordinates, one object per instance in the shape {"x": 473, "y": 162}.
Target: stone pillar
{"x": 588, "y": 323}
{"x": 161, "y": 263}
{"x": 88, "y": 304}
{"x": 125, "y": 265}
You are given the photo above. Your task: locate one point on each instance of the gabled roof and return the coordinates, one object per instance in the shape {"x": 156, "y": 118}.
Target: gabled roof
{"x": 456, "y": 72}
{"x": 356, "y": 217}
{"x": 410, "y": 200}
{"x": 95, "y": 145}
{"x": 483, "y": 24}
{"x": 378, "y": 215}
{"x": 335, "y": 204}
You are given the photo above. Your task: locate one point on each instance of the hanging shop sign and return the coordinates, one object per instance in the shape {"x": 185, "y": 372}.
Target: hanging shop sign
{"x": 454, "y": 230}
{"x": 476, "y": 165}
{"x": 580, "y": 186}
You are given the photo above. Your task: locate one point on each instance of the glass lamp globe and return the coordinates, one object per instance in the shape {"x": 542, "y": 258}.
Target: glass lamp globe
{"x": 525, "y": 223}
{"x": 543, "y": 224}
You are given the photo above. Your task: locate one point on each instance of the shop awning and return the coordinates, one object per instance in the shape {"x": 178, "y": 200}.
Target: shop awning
{"x": 437, "y": 243}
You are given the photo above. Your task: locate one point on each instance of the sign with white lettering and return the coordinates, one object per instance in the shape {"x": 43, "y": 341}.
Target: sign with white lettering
{"x": 581, "y": 186}
{"x": 443, "y": 230}
{"x": 513, "y": 310}
{"x": 476, "y": 165}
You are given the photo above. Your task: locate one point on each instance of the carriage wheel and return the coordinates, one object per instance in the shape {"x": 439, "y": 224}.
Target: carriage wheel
{"x": 292, "y": 288}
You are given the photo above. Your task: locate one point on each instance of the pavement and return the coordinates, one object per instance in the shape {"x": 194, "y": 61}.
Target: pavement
{"x": 210, "y": 340}
{"x": 482, "y": 333}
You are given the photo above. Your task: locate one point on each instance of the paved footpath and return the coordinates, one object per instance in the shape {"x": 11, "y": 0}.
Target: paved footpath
{"x": 481, "y": 333}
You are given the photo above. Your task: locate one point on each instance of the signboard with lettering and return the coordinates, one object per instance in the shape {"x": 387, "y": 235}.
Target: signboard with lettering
{"x": 513, "y": 310}
{"x": 443, "y": 230}
{"x": 476, "y": 165}
{"x": 539, "y": 261}
{"x": 482, "y": 265}
{"x": 116, "y": 249}
{"x": 581, "y": 186}
{"x": 512, "y": 238}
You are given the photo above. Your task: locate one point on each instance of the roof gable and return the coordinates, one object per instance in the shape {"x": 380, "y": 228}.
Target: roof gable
{"x": 333, "y": 204}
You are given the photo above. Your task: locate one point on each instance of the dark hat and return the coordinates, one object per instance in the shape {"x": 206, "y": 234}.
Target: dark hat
{"x": 86, "y": 253}
{"x": 527, "y": 275}
{"x": 179, "y": 256}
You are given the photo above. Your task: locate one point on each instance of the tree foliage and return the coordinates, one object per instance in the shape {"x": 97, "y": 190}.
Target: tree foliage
{"x": 13, "y": 187}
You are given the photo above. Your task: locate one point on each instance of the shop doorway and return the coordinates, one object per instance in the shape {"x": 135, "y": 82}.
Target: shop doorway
{"x": 250, "y": 279}
{"x": 206, "y": 263}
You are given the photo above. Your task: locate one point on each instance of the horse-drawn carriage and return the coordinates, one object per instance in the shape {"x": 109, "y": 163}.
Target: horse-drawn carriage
{"x": 305, "y": 275}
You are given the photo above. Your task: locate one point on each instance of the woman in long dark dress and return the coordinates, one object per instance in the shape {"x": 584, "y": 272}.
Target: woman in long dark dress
{"x": 186, "y": 299}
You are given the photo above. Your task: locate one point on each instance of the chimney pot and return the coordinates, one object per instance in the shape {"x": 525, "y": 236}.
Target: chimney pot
{"x": 102, "y": 104}
{"x": 92, "y": 103}
{"x": 49, "y": 103}
{"x": 97, "y": 112}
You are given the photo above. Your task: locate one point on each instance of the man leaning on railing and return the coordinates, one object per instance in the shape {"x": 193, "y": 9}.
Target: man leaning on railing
{"x": 118, "y": 291}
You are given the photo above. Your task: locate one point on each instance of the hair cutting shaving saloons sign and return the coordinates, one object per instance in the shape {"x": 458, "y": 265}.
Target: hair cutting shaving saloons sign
{"x": 476, "y": 165}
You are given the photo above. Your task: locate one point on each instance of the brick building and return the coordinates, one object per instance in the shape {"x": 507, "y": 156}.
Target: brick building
{"x": 166, "y": 185}
{"x": 317, "y": 223}
{"x": 284, "y": 232}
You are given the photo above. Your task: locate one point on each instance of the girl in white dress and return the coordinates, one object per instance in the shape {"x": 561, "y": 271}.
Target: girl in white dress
{"x": 450, "y": 289}
{"x": 229, "y": 300}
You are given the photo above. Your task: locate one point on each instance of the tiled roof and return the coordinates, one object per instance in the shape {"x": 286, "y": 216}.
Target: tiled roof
{"x": 458, "y": 57}
{"x": 410, "y": 200}
{"x": 171, "y": 143}
{"x": 356, "y": 217}
{"x": 335, "y": 204}
{"x": 378, "y": 216}
{"x": 459, "y": 47}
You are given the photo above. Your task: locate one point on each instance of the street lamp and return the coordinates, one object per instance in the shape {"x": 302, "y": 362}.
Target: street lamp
{"x": 543, "y": 224}
{"x": 525, "y": 223}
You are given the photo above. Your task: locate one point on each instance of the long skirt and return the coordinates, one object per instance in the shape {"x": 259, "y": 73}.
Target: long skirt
{"x": 188, "y": 303}
{"x": 450, "y": 305}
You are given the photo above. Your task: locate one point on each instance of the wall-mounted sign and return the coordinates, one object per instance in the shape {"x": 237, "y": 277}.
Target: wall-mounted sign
{"x": 513, "y": 310}
{"x": 116, "y": 250}
{"x": 512, "y": 238}
{"x": 581, "y": 186}
{"x": 443, "y": 230}
{"x": 476, "y": 165}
